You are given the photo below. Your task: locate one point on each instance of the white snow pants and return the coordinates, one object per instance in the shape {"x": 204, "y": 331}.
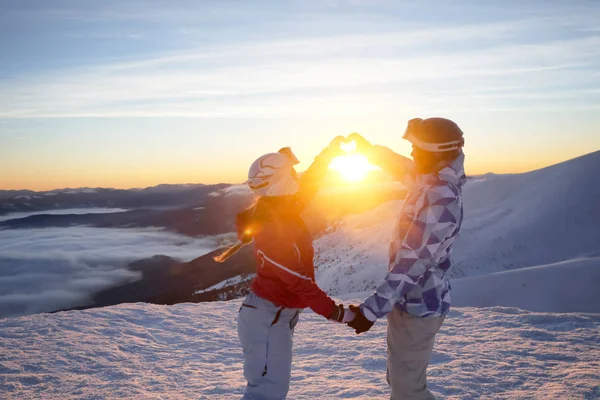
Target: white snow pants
{"x": 410, "y": 344}
{"x": 265, "y": 331}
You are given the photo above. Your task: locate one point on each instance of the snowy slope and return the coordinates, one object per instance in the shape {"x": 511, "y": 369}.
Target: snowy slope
{"x": 568, "y": 286}
{"x": 511, "y": 222}
{"x": 192, "y": 352}
{"x": 536, "y": 218}
{"x": 354, "y": 257}
{"x": 236, "y": 280}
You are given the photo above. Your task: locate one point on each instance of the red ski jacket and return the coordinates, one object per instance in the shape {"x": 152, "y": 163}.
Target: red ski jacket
{"x": 283, "y": 247}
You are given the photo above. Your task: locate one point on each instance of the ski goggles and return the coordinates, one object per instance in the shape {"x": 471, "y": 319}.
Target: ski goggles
{"x": 434, "y": 147}
{"x": 414, "y": 125}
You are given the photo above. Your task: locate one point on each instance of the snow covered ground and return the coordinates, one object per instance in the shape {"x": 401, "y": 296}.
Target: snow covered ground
{"x": 191, "y": 351}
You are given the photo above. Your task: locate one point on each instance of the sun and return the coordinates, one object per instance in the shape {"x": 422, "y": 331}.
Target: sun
{"x": 352, "y": 167}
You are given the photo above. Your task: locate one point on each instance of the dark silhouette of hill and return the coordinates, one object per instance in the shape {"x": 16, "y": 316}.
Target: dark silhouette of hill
{"x": 167, "y": 281}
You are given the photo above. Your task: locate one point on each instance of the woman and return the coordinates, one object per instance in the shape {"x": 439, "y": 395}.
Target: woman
{"x": 285, "y": 279}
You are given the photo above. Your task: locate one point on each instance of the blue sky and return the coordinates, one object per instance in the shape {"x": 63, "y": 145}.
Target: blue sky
{"x": 130, "y": 94}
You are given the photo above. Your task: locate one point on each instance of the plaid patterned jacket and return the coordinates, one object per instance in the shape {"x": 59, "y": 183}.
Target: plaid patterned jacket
{"x": 427, "y": 227}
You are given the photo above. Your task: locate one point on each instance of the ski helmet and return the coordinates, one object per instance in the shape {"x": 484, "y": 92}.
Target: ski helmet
{"x": 273, "y": 174}
{"x": 436, "y": 135}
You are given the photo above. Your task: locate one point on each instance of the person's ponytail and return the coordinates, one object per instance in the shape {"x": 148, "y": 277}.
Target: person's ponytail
{"x": 228, "y": 252}
{"x": 245, "y": 233}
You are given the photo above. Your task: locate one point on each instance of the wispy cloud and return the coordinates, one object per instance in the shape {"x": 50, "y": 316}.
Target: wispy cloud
{"x": 303, "y": 76}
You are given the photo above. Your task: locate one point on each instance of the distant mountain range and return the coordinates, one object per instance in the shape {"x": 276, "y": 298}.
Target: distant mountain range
{"x": 192, "y": 210}
{"x": 156, "y": 196}
{"x": 188, "y": 209}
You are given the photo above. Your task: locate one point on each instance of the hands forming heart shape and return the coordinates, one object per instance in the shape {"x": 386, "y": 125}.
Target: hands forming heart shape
{"x": 346, "y": 145}
{"x": 362, "y": 144}
{"x": 349, "y": 157}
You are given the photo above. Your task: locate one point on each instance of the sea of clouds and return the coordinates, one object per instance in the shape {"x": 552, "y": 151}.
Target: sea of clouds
{"x": 48, "y": 269}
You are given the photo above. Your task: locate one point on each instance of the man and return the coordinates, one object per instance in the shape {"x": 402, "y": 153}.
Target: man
{"x": 415, "y": 294}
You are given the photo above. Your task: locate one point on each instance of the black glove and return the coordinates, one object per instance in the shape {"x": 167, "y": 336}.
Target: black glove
{"x": 337, "y": 314}
{"x": 360, "y": 323}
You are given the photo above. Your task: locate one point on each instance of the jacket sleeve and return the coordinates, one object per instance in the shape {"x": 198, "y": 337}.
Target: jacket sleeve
{"x": 286, "y": 262}
{"x": 420, "y": 245}
{"x": 401, "y": 168}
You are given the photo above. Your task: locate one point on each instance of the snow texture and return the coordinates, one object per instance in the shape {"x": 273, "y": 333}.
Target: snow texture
{"x": 190, "y": 351}
{"x": 228, "y": 282}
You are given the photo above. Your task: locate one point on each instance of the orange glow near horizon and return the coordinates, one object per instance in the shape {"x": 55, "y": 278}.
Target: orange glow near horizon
{"x": 123, "y": 179}
{"x": 41, "y": 177}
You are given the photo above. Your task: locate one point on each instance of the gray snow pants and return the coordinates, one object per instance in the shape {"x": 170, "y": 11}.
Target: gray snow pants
{"x": 410, "y": 344}
{"x": 265, "y": 331}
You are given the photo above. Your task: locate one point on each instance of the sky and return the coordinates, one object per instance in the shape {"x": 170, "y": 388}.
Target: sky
{"x": 138, "y": 93}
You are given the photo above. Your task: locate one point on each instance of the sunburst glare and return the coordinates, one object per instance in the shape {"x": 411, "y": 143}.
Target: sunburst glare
{"x": 352, "y": 167}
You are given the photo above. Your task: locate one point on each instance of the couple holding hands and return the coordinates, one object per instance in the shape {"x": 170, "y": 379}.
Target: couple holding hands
{"x": 415, "y": 294}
